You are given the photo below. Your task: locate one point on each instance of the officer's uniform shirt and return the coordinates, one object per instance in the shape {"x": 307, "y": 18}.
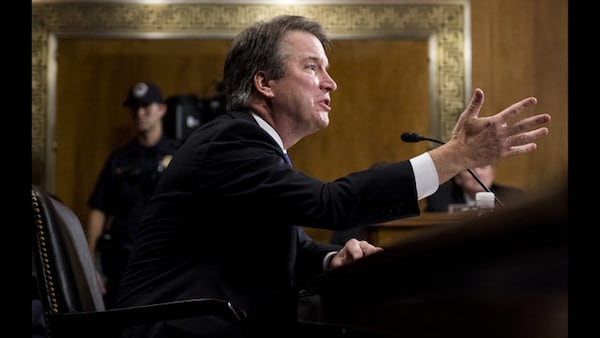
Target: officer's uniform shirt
{"x": 122, "y": 191}
{"x": 126, "y": 184}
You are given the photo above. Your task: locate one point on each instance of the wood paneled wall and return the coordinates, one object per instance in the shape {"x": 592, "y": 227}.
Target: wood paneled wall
{"x": 519, "y": 49}
{"x": 93, "y": 78}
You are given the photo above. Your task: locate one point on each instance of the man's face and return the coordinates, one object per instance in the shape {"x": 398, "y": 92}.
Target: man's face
{"x": 302, "y": 94}
{"x": 147, "y": 117}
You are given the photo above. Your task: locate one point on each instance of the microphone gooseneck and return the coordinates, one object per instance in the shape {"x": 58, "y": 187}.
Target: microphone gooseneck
{"x": 411, "y": 137}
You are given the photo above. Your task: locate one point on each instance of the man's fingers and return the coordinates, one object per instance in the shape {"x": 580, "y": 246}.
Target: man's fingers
{"x": 522, "y": 149}
{"x": 516, "y": 108}
{"x": 529, "y": 123}
{"x": 475, "y": 104}
{"x": 526, "y": 137}
{"x": 368, "y": 249}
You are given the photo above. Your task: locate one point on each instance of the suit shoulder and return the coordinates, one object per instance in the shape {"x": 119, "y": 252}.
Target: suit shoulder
{"x": 232, "y": 126}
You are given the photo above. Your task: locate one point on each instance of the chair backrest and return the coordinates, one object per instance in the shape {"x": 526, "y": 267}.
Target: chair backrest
{"x": 66, "y": 273}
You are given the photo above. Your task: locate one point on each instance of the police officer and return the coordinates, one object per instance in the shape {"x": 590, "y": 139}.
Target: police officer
{"x": 125, "y": 185}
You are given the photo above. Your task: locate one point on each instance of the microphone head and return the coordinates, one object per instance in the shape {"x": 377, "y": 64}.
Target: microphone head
{"x": 411, "y": 137}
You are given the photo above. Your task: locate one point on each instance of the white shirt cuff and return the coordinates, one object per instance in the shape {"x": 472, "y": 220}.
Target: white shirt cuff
{"x": 327, "y": 260}
{"x": 426, "y": 177}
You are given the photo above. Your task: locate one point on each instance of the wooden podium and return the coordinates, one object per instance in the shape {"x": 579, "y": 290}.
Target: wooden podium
{"x": 389, "y": 233}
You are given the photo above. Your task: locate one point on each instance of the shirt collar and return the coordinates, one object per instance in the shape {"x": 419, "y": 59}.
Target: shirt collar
{"x": 267, "y": 127}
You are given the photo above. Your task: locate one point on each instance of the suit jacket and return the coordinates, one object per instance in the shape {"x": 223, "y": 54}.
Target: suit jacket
{"x": 222, "y": 223}
{"x": 450, "y": 193}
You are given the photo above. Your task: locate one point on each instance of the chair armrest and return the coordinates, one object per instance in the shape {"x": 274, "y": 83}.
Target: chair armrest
{"x": 113, "y": 320}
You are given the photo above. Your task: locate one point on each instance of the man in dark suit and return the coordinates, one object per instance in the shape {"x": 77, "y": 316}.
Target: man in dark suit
{"x": 461, "y": 190}
{"x": 224, "y": 219}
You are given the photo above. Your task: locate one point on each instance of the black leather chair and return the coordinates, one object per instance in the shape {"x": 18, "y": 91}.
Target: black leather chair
{"x": 68, "y": 289}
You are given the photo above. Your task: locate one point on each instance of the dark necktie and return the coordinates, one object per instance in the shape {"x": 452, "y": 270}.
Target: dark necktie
{"x": 293, "y": 230}
{"x": 287, "y": 159}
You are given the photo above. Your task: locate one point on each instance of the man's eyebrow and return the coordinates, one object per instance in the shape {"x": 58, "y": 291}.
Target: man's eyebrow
{"x": 318, "y": 60}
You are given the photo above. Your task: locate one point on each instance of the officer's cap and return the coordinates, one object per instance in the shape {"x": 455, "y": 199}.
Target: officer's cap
{"x": 142, "y": 94}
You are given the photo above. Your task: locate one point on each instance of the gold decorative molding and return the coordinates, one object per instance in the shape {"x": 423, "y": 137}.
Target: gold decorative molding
{"x": 443, "y": 24}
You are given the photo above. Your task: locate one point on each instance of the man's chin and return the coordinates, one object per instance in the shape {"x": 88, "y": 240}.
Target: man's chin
{"x": 324, "y": 119}
{"x": 140, "y": 126}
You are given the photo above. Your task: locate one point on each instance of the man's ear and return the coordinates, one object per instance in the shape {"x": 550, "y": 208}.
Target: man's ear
{"x": 162, "y": 109}
{"x": 261, "y": 84}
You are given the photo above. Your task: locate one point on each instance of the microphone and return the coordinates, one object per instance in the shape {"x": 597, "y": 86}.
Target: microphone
{"x": 414, "y": 137}
{"x": 411, "y": 137}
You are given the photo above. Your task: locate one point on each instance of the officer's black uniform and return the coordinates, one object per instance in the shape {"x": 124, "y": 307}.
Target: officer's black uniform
{"x": 122, "y": 191}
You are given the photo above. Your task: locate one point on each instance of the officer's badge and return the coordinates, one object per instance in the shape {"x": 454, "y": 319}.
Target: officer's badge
{"x": 164, "y": 163}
